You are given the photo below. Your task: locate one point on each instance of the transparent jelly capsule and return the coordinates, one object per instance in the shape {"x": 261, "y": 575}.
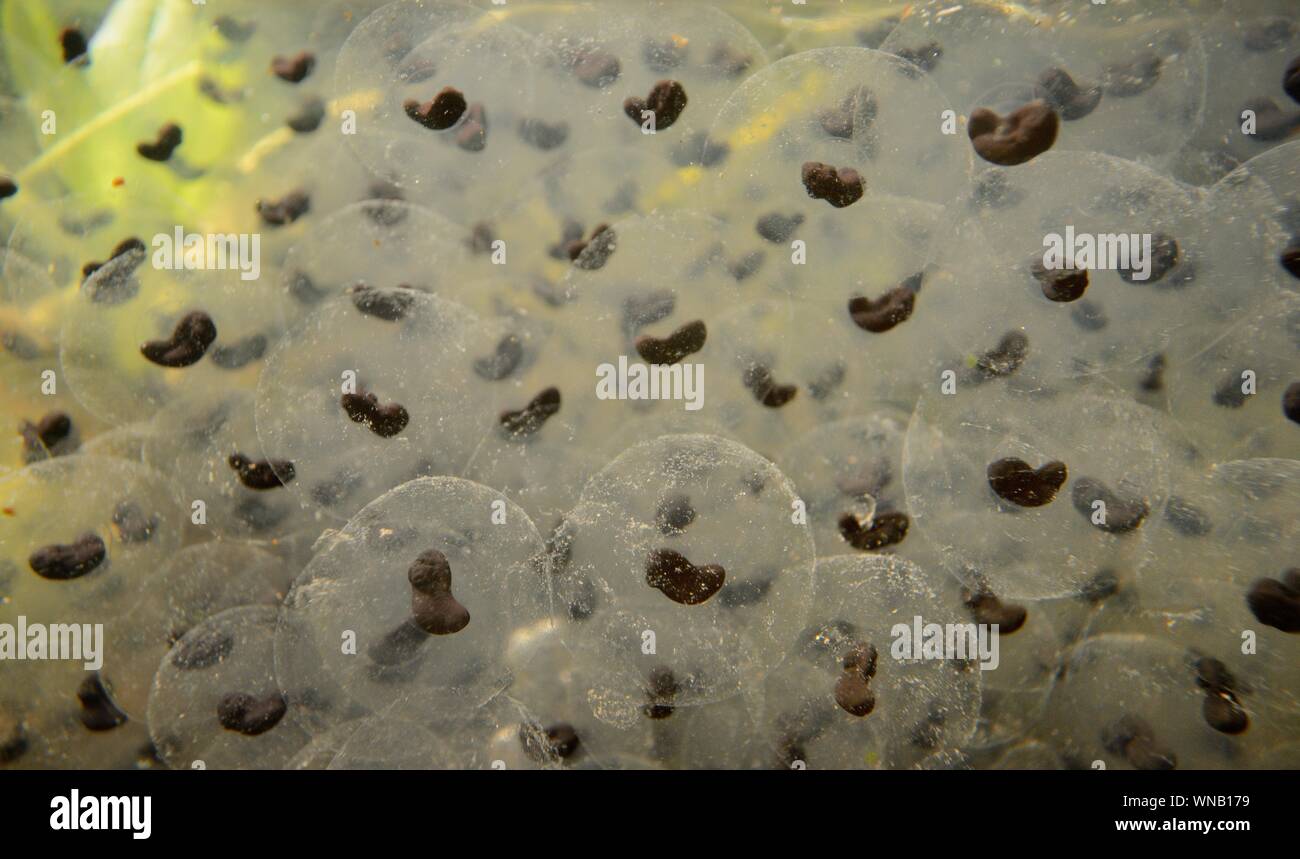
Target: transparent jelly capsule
{"x": 643, "y": 291}
{"x": 372, "y": 389}
{"x": 767, "y": 385}
{"x": 79, "y": 533}
{"x": 1235, "y": 521}
{"x": 541, "y": 462}
{"x": 723, "y": 735}
{"x": 852, "y": 109}
{"x": 1123, "y": 80}
{"x": 1268, "y": 186}
{"x": 1133, "y": 702}
{"x": 439, "y": 103}
{"x": 29, "y": 311}
{"x": 388, "y": 241}
{"x": 553, "y": 726}
{"x": 1029, "y": 493}
{"x": 408, "y": 610}
{"x": 857, "y": 691}
{"x": 551, "y": 218}
{"x": 136, "y": 338}
{"x": 57, "y": 714}
{"x": 215, "y": 702}
{"x": 373, "y": 742}
{"x": 1096, "y": 261}
{"x": 642, "y": 76}
{"x": 667, "y": 608}
{"x": 1248, "y": 49}
{"x": 1029, "y": 654}
{"x": 1233, "y": 388}
{"x": 1240, "y": 660}
{"x": 1029, "y": 755}
{"x": 808, "y": 251}
{"x": 232, "y": 486}
{"x": 125, "y": 442}
{"x": 973, "y": 50}
{"x": 849, "y": 474}
{"x": 196, "y": 583}
{"x": 75, "y": 235}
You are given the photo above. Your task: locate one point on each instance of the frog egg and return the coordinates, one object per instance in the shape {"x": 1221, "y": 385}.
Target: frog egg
{"x": 852, "y": 694}
{"x": 1133, "y": 702}
{"x": 766, "y": 387}
{"x": 1138, "y": 76}
{"x": 849, "y": 108}
{"x": 1213, "y": 621}
{"x": 379, "y": 241}
{"x": 442, "y": 570}
{"x": 644, "y": 291}
{"x": 370, "y": 743}
{"x": 667, "y": 609}
{"x": 566, "y": 201}
{"x": 215, "y": 702}
{"x": 1015, "y": 692}
{"x": 553, "y": 727}
{"x": 607, "y": 67}
{"x": 245, "y": 39}
{"x": 77, "y": 234}
{"x": 541, "y": 465}
{"x": 134, "y": 341}
{"x": 1236, "y": 519}
{"x": 284, "y": 189}
{"x": 986, "y": 473}
{"x": 78, "y": 534}
{"x": 1230, "y": 394}
{"x": 471, "y": 157}
{"x": 212, "y": 449}
{"x": 58, "y": 715}
{"x": 813, "y": 253}
{"x": 1016, "y": 255}
{"x": 1248, "y": 49}
{"x": 972, "y": 50}
{"x": 853, "y": 468}
{"x": 372, "y": 389}
{"x": 194, "y": 584}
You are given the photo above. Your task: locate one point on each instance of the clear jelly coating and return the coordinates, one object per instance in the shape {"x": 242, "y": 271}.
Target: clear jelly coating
{"x": 374, "y": 388}
{"x": 855, "y": 692}
{"x": 847, "y": 107}
{"x": 215, "y": 701}
{"x": 666, "y": 606}
{"x": 79, "y": 536}
{"x": 196, "y": 583}
{"x": 1032, "y": 493}
{"x": 407, "y": 611}
{"x": 1130, "y": 701}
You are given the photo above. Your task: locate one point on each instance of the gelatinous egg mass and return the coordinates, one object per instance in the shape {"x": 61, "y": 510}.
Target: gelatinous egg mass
{"x": 649, "y": 384}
